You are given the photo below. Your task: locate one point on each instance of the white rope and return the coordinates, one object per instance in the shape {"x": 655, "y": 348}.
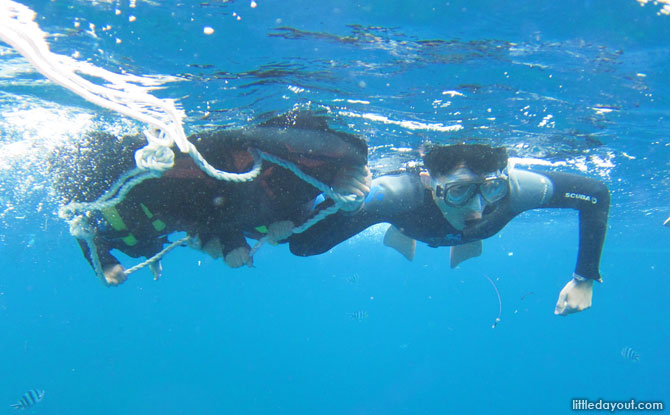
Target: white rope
{"x": 158, "y": 256}
{"x": 317, "y": 218}
{"x": 227, "y": 176}
{"x": 257, "y": 246}
{"x": 125, "y": 183}
{"x": 340, "y": 200}
{"x": 127, "y": 95}
{"x": 299, "y": 229}
{"x": 118, "y": 191}
{"x": 80, "y": 229}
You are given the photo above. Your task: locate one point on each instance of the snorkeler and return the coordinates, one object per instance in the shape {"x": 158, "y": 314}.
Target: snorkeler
{"x": 218, "y": 215}
{"x": 467, "y": 194}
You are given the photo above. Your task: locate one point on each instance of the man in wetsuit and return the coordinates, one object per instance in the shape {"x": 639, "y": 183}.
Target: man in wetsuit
{"x": 468, "y": 194}
{"x": 218, "y": 214}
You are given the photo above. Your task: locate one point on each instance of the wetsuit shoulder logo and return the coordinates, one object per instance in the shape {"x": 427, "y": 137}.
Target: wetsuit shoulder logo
{"x": 376, "y": 194}
{"x": 586, "y": 198}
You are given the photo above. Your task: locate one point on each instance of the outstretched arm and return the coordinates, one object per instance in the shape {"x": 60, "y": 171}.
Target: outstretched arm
{"x": 591, "y": 198}
{"x": 388, "y": 198}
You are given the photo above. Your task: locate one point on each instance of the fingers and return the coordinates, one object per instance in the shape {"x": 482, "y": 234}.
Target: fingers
{"x": 156, "y": 269}
{"x": 238, "y": 257}
{"x": 362, "y": 183}
{"x": 565, "y": 308}
{"x": 278, "y": 231}
{"x": 574, "y": 297}
{"x": 360, "y": 175}
{"x": 564, "y": 305}
{"x": 561, "y": 305}
{"x": 213, "y": 248}
{"x": 115, "y": 275}
{"x": 562, "y": 310}
{"x": 354, "y": 180}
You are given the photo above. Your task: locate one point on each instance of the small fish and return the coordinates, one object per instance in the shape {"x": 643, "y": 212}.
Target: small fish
{"x": 359, "y": 315}
{"x": 629, "y": 354}
{"x": 352, "y": 279}
{"x": 29, "y": 399}
{"x": 523, "y": 297}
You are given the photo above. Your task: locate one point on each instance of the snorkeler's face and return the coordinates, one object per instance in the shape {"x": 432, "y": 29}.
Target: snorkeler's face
{"x": 463, "y": 195}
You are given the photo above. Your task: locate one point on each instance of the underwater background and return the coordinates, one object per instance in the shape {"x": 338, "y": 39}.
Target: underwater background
{"x": 575, "y": 86}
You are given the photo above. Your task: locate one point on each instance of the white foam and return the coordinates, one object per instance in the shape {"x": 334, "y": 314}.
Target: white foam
{"x": 410, "y": 125}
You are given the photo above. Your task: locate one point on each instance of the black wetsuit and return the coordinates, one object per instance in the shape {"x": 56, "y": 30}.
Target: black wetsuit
{"x": 185, "y": 199}
{"x": 404, "y": 201}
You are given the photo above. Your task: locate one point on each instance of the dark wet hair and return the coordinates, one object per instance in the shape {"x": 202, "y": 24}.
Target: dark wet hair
{"x": 479, "y": 158}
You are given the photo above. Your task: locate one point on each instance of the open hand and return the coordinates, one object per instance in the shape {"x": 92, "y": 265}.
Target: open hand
{"x": 353, "y": 181}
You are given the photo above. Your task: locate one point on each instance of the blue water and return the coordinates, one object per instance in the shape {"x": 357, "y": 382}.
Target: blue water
{"x": 580, "y": 84}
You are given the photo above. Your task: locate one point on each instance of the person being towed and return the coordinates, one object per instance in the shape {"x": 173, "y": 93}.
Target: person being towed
{"x": 218, "y": 215}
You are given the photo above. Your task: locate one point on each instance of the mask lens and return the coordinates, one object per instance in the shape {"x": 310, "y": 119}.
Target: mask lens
{"x": 459, "y": 194}
{"x": 494, "y": 189}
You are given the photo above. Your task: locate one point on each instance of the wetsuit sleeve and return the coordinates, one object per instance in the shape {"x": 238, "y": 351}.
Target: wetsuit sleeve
{"x": 389, "y": 197}
{"x": 592, "y": 199}
{"x": 536, "y": 190}
{"x": 104, "y": 256}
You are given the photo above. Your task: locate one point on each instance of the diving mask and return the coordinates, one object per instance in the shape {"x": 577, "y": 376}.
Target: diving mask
{"x": 459, "y": 193}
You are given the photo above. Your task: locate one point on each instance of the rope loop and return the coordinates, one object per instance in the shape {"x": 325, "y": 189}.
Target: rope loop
{"x": 154, "y": 157}
{"x": 81, "y": 229}
{"x": 344, "y": 202}
{"x": 223, "y": 175}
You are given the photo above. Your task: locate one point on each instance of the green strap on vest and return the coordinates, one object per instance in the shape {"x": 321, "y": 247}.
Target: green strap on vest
{"x": 158, "y": 224}
{"x": 114, "y": 218}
